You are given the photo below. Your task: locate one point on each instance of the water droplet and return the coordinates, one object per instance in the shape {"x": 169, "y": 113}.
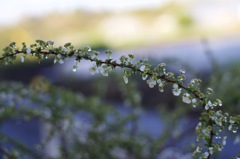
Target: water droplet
{"x": 162, "y": 65}
{"x": 182, "y": 71}
{"x": 142, "y": 68}
{"x": 75, "y": 67}
{"x": 194, "y": 105}
{"x": 125, "y": 79}
{"x": 161, "y": 89}
{"x": 144, "y": 77}
{"x": 88, "y": 48}
{"x": 22, "y": 58}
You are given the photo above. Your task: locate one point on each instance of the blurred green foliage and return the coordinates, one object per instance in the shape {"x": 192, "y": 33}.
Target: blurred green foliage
{"x": 225, "y": 81}
{"x": 87, "y": 127}
{"x": 62, "y": 112}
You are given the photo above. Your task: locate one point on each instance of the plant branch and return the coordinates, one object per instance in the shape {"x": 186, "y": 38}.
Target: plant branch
{"x": 109, "y": 62}
{"x": 43, "y": 49}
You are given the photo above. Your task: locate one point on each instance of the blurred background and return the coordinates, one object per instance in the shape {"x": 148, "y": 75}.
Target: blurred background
{"x": 118, "y": 24}
{"x": 200, "y": 36}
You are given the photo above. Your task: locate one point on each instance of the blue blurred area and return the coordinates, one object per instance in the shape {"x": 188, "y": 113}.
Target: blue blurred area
{"x": 26, "y": 132}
